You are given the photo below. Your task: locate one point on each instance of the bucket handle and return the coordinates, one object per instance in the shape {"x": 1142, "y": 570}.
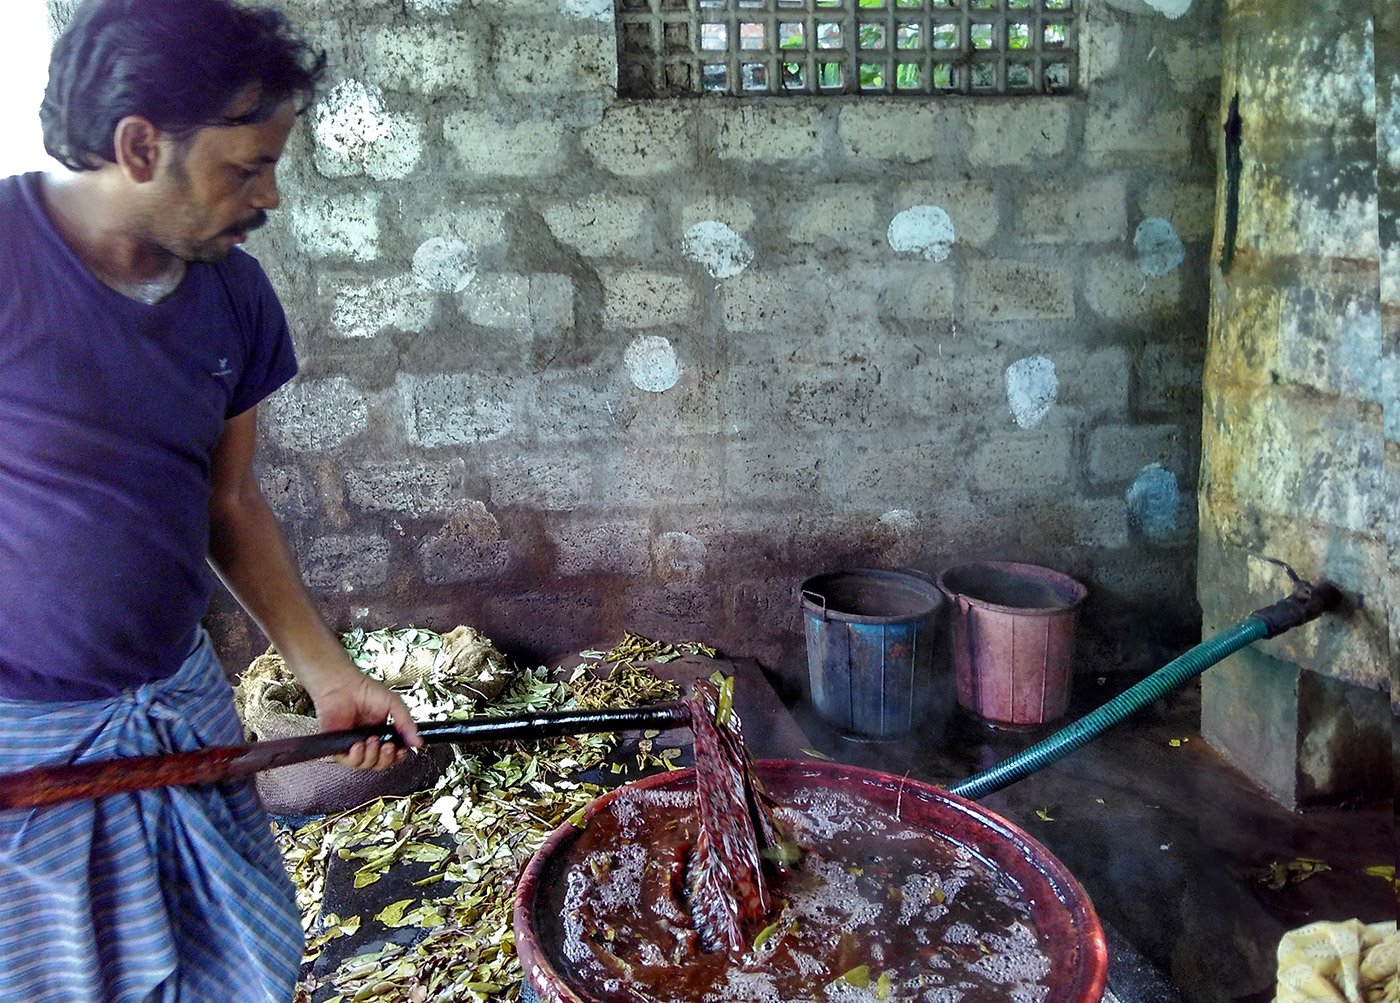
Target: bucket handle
{"x": 816, "y": 597}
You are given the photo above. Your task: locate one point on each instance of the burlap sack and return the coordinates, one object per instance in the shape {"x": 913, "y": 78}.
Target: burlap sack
{"x": 1339, "y": 962}
{"x": 273, "y": 705}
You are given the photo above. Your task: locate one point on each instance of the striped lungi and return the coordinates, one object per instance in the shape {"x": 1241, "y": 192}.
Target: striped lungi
{"x": 173, "y": 895}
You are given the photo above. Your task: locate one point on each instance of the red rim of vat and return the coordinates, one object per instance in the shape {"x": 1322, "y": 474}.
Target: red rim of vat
{"x": 1072, "y": 936}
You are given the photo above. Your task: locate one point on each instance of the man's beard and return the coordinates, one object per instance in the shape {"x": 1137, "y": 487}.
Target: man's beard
{"x": 248, "y": 225}
{"x": 213, "y": 251}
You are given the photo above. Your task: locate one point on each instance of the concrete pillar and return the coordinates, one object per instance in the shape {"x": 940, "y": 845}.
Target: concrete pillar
{"x": 1294, "y": 444}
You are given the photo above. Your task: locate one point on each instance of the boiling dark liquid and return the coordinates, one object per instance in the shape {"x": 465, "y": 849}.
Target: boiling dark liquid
{"x": 924, "y": 911}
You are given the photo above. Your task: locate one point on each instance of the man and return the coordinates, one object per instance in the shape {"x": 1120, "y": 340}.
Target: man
{"x": 135, "y": 344}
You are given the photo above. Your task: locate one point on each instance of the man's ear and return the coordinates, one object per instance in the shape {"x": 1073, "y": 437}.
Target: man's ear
{"x": 138, "y": 148}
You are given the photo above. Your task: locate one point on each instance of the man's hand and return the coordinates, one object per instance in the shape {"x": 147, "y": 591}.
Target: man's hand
{"x": 250, "y": 555}
{"x": 347, "y": 698}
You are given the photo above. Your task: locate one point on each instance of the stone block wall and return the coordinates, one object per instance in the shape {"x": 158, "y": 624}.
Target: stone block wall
{"x": 572, "y": 364}
{"x": 1299, "y": 437}
{"x": 1387, "y": 47}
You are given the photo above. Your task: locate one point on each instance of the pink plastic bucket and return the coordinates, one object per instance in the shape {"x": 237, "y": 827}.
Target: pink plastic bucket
{"x": 1012, "y": 638}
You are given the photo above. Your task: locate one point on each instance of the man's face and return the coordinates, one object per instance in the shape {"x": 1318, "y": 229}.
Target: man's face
{"x": 218, "y": 185}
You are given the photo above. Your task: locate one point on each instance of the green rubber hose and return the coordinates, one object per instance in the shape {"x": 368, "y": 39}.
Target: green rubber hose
{"x": 1089, "y": 727}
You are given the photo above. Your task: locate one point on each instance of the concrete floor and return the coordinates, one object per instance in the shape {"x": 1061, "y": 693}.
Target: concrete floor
{"x": 1168, "y": 840}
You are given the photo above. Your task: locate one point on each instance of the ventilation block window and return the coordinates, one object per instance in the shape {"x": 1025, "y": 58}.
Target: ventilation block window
{"x": 685, "y": 48}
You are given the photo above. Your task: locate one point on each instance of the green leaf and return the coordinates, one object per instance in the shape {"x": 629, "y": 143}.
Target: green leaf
{"x": 784, "y": 853}
{"x": 858, "y": 976}
{"x": 426, "y": 917}
{"x": 726, "y": 702}
{"x": 764, "y": 935}
{"x": 882, "y": 987}
{"x": 392, "y": 914}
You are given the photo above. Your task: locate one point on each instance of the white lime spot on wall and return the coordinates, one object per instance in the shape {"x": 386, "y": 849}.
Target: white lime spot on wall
{"x": 652, "y": 364}
{"x": 1158, "y": 245}
{"x": 1031, "y": 389}
{"x": 587, "y": 10}
{"x": 1153, "y": 501}
{"x": 718, "y": 247}
{"x": 1171, "y": 8}
{"x": 444, "y": 264}
{"x": 899, "y": 518}
{"x": 355, "y": 134}
{"x": 925, "y": 230}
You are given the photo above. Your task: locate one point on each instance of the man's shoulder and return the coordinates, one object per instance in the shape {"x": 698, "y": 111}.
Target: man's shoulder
{"x": 246, "y": 289}
{"x": 244, "y": 274}
{"x": 240, "y": 264}
{"x": 12, "y": 193}
{"x": 22, "y": 240}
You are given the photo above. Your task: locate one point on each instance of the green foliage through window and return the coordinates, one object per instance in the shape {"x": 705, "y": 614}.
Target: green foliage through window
{"x": 676, "y": 48}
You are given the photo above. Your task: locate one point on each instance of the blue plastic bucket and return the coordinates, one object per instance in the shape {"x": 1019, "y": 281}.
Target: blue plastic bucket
{"x": 870, "y": 637}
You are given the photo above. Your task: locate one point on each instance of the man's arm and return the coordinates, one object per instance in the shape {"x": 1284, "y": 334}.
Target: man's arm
{"x": 250, "y": 555}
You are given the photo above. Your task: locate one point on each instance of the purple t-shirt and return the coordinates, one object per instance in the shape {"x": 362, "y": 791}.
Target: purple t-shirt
{"x": 109, "y": 413}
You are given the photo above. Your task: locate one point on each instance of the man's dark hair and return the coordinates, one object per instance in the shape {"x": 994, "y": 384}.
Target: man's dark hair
{"x": 178, "y": 63}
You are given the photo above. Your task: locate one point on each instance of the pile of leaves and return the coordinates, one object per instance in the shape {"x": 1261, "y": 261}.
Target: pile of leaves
{"x": 472, "y": 834}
